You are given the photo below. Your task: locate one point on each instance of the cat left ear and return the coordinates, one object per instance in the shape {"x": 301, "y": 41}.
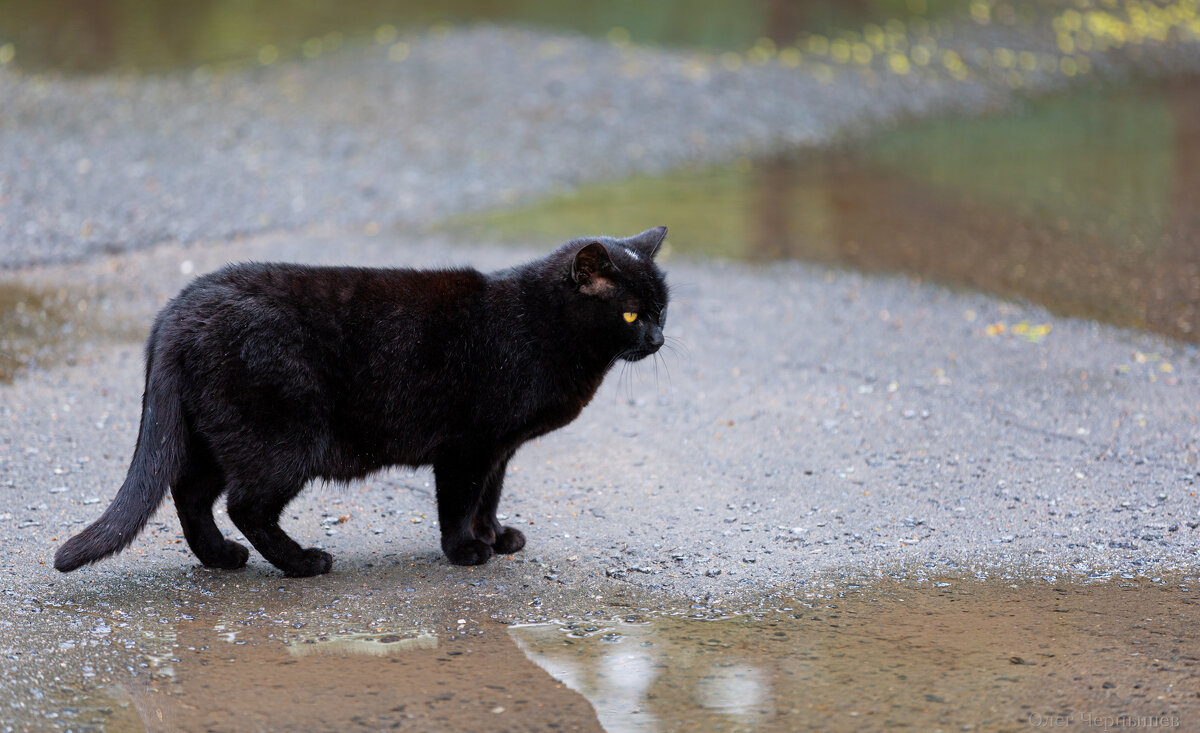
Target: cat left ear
{"x": 649, "y": 241}
{"x": 588, "y": 268}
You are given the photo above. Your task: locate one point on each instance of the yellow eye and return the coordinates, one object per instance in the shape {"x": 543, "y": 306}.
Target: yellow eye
{"x": 629, "y": 317}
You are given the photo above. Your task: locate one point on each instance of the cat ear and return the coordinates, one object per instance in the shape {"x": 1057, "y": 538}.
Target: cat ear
{"x": 588, "y": 267}
{"x": 649, "y": 241}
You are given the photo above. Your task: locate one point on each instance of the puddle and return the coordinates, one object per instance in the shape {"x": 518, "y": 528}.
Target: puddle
{"x": 955, "y": 654}
{"x": 160, "y": 35}
{"x": 208, "y": 677}
{"x": 963, "y": 656}
{"x": 42, "y": 325}
{"x": 1083, "y": 203}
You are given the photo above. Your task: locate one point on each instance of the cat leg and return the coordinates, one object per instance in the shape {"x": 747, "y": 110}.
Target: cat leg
{"x": 503, "y": 539}
{"x": 255, "y": 509}
{"x": 460, "y": 486}
{"x": 194, "y": 495}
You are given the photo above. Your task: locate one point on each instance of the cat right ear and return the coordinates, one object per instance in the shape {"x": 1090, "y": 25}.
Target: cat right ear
{"x": 588, "y": 268}
{"x": 649, "y": 241}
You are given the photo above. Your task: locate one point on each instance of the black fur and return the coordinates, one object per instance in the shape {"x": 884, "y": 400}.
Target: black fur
{"x": 262, "y": 377}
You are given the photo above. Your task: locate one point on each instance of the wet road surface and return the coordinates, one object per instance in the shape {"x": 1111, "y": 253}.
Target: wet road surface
{"x": 956, "y": 653}
{"x": 816, "y": 421}
{"x": 815, "y": 432}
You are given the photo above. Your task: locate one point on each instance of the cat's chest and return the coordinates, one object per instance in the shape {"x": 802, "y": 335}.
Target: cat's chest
{"x": 546, "y": 405}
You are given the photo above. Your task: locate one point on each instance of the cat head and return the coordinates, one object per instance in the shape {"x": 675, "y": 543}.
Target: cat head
{"x": 619, "y": 294}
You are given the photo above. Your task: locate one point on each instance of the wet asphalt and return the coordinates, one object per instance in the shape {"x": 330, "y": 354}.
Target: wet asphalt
{"x": 800, "y": 421}
{"x": 804, "y": 424}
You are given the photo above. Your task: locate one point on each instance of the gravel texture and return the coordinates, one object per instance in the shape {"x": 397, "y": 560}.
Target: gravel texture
{"x": 807, "y": 427}
{"x": 801, "y": 421}
{"x": 470, "y": 119}
{"x": 805, "y": 423}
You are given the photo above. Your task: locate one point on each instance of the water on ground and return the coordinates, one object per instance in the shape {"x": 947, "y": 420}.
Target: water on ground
{"x": 952, "y": 653}
{"x": 1085, "y": 203}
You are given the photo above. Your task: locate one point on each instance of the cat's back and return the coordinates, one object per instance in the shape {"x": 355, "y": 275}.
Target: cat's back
{"x": 258, "y": 288}
{"x": 262, "y": 311}
{"x": 263, "y": 339}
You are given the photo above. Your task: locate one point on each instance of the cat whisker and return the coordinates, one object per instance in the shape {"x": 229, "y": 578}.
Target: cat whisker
{"x": 666, "y": 367}
{"x": 612, "y": 361}
{"x": 677, "y": 346}
{"x": 625, "y": 381}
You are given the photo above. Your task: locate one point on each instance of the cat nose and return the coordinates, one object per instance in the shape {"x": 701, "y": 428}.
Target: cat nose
{"x": 656, "y": 337}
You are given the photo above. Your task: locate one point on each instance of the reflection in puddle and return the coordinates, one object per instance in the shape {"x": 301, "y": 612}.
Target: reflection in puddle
{"x": 254, "y": 679}
{"x": 33, "y": 324}
{"x": 1085, "y": 204}
{"x": 372, "y": 645}
{"x": 953, "y": 654}
{"x": 960, "y": 656}
{"x": 41, "y": 325}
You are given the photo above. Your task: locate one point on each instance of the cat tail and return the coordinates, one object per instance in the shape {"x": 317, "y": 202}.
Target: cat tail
{"x": 158, "y": 462}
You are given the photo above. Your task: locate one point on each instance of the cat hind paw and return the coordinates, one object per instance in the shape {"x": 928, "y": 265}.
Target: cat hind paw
{"x": 231, "y": 556}
{"x": 312, "y": 562}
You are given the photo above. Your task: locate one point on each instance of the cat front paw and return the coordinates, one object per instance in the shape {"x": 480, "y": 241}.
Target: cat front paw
{"x": 470, "y": 552}
{"x": 509, "y": 540}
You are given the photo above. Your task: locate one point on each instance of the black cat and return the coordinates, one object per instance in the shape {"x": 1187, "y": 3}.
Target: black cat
{"x": 262, "y": 377}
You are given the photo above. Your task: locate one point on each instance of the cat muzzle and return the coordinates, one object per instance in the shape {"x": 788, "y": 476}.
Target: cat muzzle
{"x": 651, "y": 344}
